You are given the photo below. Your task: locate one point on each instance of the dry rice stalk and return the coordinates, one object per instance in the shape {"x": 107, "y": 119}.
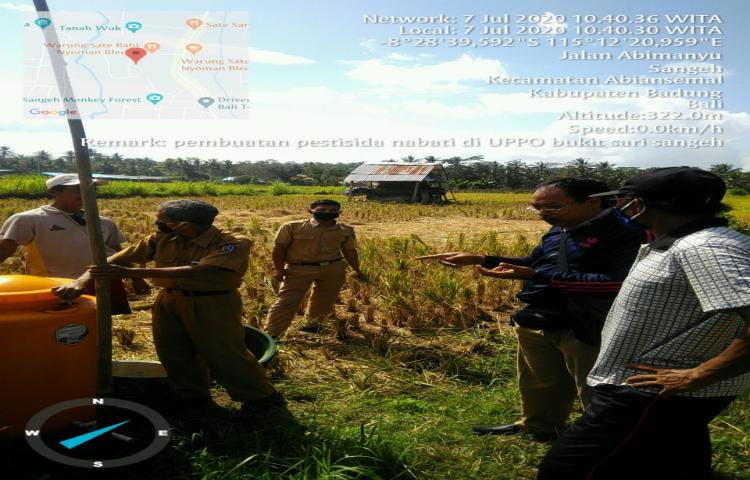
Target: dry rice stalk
{"x": 340, "y": 328}
{"x": 351, "y": 304}
{"x": 125, "y": 336}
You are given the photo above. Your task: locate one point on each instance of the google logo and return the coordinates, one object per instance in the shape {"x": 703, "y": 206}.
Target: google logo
{"x": 59, "y": 113}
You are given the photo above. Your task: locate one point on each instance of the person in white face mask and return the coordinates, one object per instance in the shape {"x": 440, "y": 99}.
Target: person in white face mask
{"x": 675, "y": 347}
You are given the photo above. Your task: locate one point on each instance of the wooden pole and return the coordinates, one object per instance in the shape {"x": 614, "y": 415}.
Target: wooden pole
{"x": 416, "y": 191}
{"x": 91, "y": 210}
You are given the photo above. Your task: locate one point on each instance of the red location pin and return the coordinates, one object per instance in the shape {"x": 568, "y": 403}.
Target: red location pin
{"x": 135, "y": 54}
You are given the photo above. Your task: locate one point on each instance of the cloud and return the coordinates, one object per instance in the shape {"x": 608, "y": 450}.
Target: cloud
{"x": 399, "y": 57}
{"x": 277, "y": 58}
{"x": 17, "y": 7}
{"x": 369, "y": 44}
{"x": 498, "y": 104}
{"x": 438, "y": 78}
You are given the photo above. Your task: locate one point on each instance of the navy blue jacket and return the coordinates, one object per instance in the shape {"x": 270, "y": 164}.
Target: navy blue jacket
{"x": 599, "y": 255}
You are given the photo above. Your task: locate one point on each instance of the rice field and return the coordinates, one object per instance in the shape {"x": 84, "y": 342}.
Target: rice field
{"x": 415, "y": 355}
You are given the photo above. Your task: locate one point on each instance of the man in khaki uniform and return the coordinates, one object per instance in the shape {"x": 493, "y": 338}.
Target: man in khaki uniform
{"x": 197, "y": 321}
{"x": 313, "y": 251}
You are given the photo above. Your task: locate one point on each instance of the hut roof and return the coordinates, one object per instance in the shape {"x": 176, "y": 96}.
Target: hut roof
{"x": 397, "y": 172}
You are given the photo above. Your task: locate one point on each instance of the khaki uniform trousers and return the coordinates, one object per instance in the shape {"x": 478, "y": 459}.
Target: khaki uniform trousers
{"x": 193, "y": 334}
{"x": 326, "y": 281}
{"x": 552, "y": 370}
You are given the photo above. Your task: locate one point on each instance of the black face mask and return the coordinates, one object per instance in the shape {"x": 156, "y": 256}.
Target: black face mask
{"x": 163, "y": 227}
{"x": 325, "y": 216}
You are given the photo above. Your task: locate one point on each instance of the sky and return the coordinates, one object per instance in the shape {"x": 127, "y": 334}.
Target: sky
{"x": 319, "y": 73}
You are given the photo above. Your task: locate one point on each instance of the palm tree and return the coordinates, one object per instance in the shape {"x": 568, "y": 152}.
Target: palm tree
{"x": 42, "y": 156}
{"x": 580, "y": 167}
{"x": 7, "y": 157}
{"x": 732, "y": 176}
{"x": 214, "y": 168}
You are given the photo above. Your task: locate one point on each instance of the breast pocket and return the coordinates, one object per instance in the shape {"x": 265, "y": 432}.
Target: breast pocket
{"x": 305, "y": 243}
{"x": 331, "y": 242}
{"x": 165, "y": 259}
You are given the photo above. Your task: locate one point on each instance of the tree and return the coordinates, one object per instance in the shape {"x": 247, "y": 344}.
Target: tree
{"x": 8, "y": 158}
{"x": 515, "y": 174}
{"x": 42, "y": 159}
{"x": 732, "y": 176}
{"x": 214, "y": 168}
{"x": 540, "y": 172}
{"x": 580, "y": 167}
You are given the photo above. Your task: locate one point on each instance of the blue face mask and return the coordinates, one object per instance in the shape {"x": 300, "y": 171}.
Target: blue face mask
{"x": 621, "y": 217}
{"x": 626, "y": 219}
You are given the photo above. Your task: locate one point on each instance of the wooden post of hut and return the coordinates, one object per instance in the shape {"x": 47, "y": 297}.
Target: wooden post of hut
{"x": 416, "y": 192}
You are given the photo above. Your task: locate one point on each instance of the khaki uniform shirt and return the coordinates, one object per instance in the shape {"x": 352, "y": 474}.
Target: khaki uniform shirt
{"x": 212, "y": 247}
{"x": 55, "y": 245}
{"x": 309, "y": 241}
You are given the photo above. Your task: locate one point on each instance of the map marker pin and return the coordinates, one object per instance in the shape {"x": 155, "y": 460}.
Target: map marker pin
{"x": 135, "y": 54}
{"x": 43, "y": 22}
{"x": 134, "y": 26}
{"x": 206, "y": 101}
{"x": 151, "y": 46}
{"x": 194, "y": 22}
{"x": 154, "y": 97}
{"x": 193, "y": 47}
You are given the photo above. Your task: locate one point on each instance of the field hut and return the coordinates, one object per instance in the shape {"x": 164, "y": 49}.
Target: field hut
{"x": 399, "y": 182}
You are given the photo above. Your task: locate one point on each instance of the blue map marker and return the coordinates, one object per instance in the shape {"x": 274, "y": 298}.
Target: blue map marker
{"x": 154, "y": 97}
{"x": 206, "y": 101}
{"x": 43, "y": 22}
{"x": 134, "y": 26}
{"x": 81, "y": 439}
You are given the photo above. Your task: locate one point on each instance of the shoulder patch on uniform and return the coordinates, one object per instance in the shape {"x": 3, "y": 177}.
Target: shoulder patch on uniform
{"x": 55, "y": 227}
{"x": 227, "y": 248}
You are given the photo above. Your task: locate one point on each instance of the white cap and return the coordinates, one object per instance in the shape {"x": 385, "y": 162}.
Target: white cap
{"x": 67, "y": 179}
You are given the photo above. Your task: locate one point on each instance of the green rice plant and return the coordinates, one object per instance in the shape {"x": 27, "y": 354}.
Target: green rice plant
{"x": 280, "y": 188}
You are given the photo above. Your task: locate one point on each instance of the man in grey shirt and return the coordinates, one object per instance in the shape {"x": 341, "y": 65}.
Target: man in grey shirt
{"x": 55, "y": 239}
{"x": 676, "y": 344}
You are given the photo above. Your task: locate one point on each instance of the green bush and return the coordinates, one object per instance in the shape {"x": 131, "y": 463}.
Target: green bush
{"x": 280, "y": 188}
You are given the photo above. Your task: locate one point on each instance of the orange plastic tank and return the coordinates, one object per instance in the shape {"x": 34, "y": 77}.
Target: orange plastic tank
{"x": 47, "y": 350}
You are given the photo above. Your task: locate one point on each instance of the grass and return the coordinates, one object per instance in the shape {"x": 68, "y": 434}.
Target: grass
{"x": 32, "y": 186}
{"x": 420, "y": 354}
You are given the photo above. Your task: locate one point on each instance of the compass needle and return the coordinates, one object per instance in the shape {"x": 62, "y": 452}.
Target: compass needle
{"x": 81, "y": 439}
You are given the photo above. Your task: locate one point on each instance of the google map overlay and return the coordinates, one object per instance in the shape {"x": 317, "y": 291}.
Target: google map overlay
{"x": 137, "y": 65}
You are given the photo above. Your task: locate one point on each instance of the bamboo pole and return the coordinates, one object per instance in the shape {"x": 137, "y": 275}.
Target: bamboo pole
{"x": 91, "y": 210}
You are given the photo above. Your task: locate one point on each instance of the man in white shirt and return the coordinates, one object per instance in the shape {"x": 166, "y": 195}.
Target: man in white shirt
{"x": 55, "y": 240}
{"x": 675, "y": 346}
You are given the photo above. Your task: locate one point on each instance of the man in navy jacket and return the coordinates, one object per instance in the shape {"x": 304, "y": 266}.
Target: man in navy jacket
{"x": 570, "y": 280}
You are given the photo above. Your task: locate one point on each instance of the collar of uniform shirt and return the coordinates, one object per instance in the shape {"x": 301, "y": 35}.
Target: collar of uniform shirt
{"x": 205, "y": 238}
{"x": 316, "y": 223}
{"x": 202, "y": 240}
